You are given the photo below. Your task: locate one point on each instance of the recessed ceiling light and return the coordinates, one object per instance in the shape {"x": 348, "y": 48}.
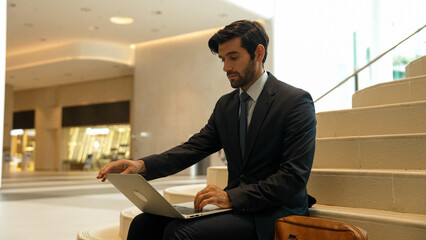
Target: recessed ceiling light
{"x": 121, "y": 20}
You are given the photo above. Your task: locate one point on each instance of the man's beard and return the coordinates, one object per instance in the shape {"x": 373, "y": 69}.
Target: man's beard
{"x": 244, "y": 79}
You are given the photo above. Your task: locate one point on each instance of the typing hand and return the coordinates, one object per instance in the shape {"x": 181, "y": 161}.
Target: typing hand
{"x": 122, "y": 166}
{"x": 211, "y": 195}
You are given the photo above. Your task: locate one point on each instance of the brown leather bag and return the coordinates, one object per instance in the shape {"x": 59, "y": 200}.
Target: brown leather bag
{"x": 309, "y": 228}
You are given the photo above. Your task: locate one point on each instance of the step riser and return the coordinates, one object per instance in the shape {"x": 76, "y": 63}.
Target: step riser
{"x": 379, "y": 230}
{"x": 394, "y": 119}
{"x": 402, "y": 152}
{"x": 381, "y": 191}
{"x": 403, "y": 91}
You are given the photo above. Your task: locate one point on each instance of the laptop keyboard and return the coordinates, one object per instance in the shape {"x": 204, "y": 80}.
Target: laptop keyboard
{"x": 185, "y": 210}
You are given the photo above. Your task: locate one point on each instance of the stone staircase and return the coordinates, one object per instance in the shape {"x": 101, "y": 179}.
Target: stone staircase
{"x": 369, "y": 168}
{"x": 370, "y": 163}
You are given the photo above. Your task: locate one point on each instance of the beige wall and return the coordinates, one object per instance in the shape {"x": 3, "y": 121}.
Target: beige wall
{"x": 48, "y": 103}
{"x": 8, "y": 118}
{"x": 177, "y": 83}
{"x": 93, "y": 92}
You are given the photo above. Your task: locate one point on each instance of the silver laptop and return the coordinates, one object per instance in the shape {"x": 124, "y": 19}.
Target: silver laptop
{"x": 148, "y": 200}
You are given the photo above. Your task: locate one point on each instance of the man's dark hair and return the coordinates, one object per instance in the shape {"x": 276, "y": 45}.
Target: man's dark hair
{"x": 252, "y": 34}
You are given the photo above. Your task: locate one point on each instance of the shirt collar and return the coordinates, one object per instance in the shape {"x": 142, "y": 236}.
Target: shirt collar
{"x": 257, "y": 87}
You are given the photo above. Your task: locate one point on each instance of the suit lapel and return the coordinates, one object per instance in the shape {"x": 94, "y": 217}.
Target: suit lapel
{"x": 260, "y": 111}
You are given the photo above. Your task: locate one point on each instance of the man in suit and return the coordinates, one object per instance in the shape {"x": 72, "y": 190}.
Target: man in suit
{"x": 267, "y": 131}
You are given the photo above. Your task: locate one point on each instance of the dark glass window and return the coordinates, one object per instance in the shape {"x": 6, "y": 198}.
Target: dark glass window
{"x": 23, "y": 120}
{"x": 96, "y": 114}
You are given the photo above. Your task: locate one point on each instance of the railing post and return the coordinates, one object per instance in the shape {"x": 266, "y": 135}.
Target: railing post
{"x": 356, "y": 82}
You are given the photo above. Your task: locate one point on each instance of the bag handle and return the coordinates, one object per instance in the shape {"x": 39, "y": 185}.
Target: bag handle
{"x": 292, "y": 237}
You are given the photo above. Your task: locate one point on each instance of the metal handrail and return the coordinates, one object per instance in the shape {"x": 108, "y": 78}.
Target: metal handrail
{"x": 368, "y": 64}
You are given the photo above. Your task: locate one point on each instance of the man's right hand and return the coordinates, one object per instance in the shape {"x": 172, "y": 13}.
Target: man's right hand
{"x": 122, "y": 166}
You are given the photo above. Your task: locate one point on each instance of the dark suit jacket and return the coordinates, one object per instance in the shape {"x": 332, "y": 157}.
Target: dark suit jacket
{"x": 270, "y": 181}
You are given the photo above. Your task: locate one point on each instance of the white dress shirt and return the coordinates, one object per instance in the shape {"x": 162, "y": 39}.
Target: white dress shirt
{"x": 254, "y": 93}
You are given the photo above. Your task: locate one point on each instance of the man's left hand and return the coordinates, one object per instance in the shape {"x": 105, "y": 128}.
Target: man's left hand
{"x": 212, "y": 195}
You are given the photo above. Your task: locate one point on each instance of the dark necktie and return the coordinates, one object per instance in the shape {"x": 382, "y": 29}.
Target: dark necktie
{"x": 243, "y": 121}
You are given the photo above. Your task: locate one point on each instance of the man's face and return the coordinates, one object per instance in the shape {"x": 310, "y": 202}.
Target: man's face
{"x": 239, "y": 67}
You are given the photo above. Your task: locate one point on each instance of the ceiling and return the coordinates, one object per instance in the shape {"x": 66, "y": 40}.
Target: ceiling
{"x": 51, "y": 42}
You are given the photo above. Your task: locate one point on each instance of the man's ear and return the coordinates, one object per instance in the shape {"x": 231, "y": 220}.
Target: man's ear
{"x": 259, "y": 52}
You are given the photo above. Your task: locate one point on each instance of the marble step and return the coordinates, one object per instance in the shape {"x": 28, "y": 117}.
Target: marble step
{"x": 387, "y": 190}
{"x": 180, "y": 194}
{"x": 100, "y": 232}
{"x": 416, "y": 67}
{"x": 400, "y": 151}
{"x": 380, "y": 225}
{"x": 126, "y": 217}
{"x": 401, "y": 91}
{"x": 401, "y": 118}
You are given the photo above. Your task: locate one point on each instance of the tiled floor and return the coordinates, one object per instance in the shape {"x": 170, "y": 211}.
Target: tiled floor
{"x": 56, "y": 205}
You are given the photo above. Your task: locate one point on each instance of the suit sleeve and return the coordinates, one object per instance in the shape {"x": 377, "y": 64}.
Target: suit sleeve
{"x": 296, "y": 155}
